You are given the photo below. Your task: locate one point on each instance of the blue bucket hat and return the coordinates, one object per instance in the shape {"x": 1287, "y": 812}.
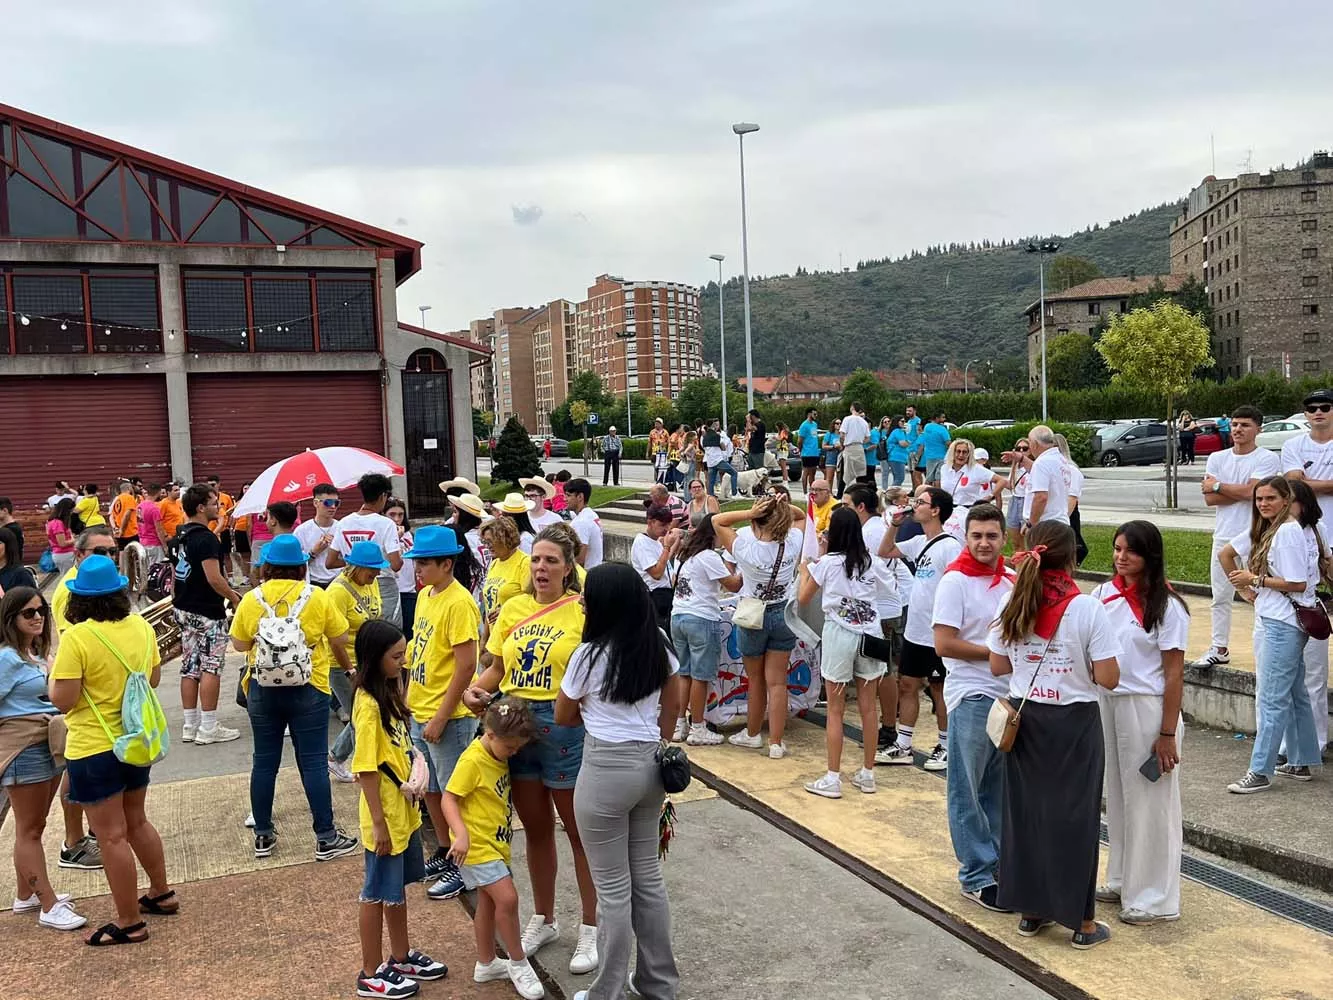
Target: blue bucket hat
{"x": 434, "y": 541}
{"x": 97, "y": 576}
{"x": 366, "y": 555}
{"x": 285, "y": 550}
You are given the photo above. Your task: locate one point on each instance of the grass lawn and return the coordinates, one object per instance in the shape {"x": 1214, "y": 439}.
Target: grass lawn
{"x": 601, "y": 495}
{"x": 1188, "y": 553}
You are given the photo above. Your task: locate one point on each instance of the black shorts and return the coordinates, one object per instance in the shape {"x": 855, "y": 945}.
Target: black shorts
{"x": 242, "y": 540}
{"x": 123, "y": 543}
{"x": 810, "y": 461}
{"x": 224, "y": 542}
{"x": 920, "y": 661}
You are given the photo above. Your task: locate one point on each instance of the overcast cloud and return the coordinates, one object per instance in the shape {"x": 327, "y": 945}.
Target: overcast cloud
{"x": 534, "y": 145}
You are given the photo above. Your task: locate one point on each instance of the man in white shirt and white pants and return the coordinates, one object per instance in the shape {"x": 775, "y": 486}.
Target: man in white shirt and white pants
{"x": 1228, "y": 487}
{"x": 1047, "y": 497}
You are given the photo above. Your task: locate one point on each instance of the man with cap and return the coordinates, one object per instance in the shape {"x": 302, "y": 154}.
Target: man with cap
{"x": 1309, "y": 457}
{"x": 441, "y": 661}
{"x": 611, "y": 447}
{"x": 540, "y": 492}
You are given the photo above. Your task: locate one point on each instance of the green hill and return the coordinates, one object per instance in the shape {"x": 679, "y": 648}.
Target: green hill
{"x": 946, "y": 303}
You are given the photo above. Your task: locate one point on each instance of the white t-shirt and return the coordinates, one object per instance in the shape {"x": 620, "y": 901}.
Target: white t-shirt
{"x": 540, "y": 519}
{"x": 1073, "y": 480}
{"x": 889, "y": 601}
{"x": 605, "y": 720}
{"x": 756, "y": 558}
{"x": 850, "y": 601}
{"x": 969, "y": 604}
{"x": 1020, "y": 487}
{"x": 698, "y": 587}
{"x": 929, "y": 571}
{"x": 1141, "y": 652}
{"x": 309, "y": 533}
{"x": 1047, "y": 476}
{"x": 525, "y": 540}
{"x": 1083, "y": 635}
{"x": 1293, "y": 556}
{"x": 854, "y": 429}
{"x": 1316, "y": 461}
{"x": 407, "y": 576}
{"x": 1229, "y": 468}
{"x": 643, "y": 553}
{"x": 588, "y": 526}
{"x": 375, "y": 528}
{"x": 967, "y": 485}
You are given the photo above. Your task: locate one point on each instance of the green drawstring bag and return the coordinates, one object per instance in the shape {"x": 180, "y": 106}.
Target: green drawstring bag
{"x": 145, "y": 740}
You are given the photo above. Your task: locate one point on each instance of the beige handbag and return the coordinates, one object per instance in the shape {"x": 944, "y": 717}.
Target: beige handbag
{"x": 750, "y": 610}
{"x": 1002, "y": 720}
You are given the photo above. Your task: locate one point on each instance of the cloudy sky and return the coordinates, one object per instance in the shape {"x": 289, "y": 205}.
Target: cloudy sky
{"x": 533, "y": 145}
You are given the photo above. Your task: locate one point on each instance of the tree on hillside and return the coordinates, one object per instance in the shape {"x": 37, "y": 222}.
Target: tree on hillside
{"x": 515, "y": 455}
{"x": 1066, "y": 271}
{"x": 1157, "y": 350}
{"x": 862, "y": 387}
{"x": 1072, "y": 362}
{"x": 701, "y": 399}
{"x": 1008, "y": 375}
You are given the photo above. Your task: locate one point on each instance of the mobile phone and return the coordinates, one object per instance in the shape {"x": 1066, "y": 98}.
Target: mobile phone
{"x": 1151, "y": 768}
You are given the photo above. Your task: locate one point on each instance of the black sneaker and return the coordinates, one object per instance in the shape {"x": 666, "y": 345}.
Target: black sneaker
{"x": 449, "y": 884}
{"x": 340, "y": 846}
{"x": 1301, "y": 773}
{"x": 888, "y": 736}
{"x": 987, "y": 897}
{"x": 85, "y": 854}
{"x": 1100, "y": 934}
{"x": 1250, "y": 784}
{"x": 264, "y": 844}
{"x": 1032, "y": 926}
{"x": 436, "y": 866}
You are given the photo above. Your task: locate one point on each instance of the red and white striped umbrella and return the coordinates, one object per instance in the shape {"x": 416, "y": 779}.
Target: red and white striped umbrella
{"x": 294, "y": 479}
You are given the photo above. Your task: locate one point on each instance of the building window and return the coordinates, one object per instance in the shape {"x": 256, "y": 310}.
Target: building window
{"x": 1310, "y": 309}
{"x": 1309, "y": 196}
{"x": 1309, "y": 225}
{"x": 1310, "y": 280}
{"x": 1310, "y": 337}
{"x": 1238, "y": 289}
{"x": 1094, "y": 308}
{"x": 124, "y": 317}
{"x": 229, "y": 311}
{"x": 1124, "y": 305}
{"x": 1228, "y": 315}
{"x": 1307, "y": 175}
{"x": 1309, "y": 253}
{"x": 1311, "y": 364}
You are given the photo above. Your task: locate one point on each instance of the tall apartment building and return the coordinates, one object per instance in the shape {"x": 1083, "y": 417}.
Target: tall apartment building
{"x": 640, "y": 336}
{"x": 554, "y": 358}
{"x": 482, "y": 331}
{"x": 515, "y": 378}
{"x": 1261, "y": 244}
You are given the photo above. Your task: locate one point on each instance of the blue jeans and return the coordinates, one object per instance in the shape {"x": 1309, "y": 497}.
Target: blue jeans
{"x": 305, "y": 712}
{"x": 1282, "y": 704}
{"x": 698, "y": 643}
{"x": 975, "y": 794}
{"x": 725, "y": 469}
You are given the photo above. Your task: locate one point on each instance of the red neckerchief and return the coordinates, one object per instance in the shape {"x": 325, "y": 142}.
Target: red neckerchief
{"x": 1057, "y": 590}
{"x": 1132, "y": 595}
{"x": 968, "y": 565}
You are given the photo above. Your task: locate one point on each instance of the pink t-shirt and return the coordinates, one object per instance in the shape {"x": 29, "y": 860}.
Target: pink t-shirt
{"x": 53, "y": 530}
{"x": 150, "y": 516}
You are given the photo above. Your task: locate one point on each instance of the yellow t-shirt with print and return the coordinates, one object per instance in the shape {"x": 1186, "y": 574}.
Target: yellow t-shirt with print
{"x": 505, "y": 579}
{"x": 89, "y": 510}
{"x": 83, "y": 656}
{"x": 375, "y": 746}
{"x": 824, "y": 514}
{"x": 60, "y": 600}
{"x": 481, "y": 784}
{"x": 536, "y": 652}
{"x": 358, "y": 604}
{"x": 320, "y": 621}
{"x": 443, "y": 621}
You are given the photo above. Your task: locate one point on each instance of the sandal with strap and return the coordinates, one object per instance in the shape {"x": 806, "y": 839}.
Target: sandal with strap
{"x": 152, "y": 905}
{"x": 111, "y": 934}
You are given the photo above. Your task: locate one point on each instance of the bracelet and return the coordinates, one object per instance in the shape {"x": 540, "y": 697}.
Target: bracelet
{"x": 1259, "y": 581}
{"x": 1172, "y": 735}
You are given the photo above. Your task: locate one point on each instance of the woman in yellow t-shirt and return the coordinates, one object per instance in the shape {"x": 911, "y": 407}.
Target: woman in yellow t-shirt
{"x": 390, "y": 822}
{"x": 303, "y": 710}
{"x": 508, "y": 571}
{"x": 355, "y": 593}
{"x": 89, "y": 508}
{"x": 102, "y": 645}
{"x": 526, "y": 655}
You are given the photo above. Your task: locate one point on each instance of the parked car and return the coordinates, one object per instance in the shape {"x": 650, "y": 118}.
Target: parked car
{"x": 997, "y": 424}
{"x": 1207, "y": 438}
{"x": 1274, "y": 434}
{"x": 1130, "y": 444}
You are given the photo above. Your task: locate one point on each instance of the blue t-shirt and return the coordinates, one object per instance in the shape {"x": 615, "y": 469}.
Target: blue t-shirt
{"x": 872, "y": 442}
{"x": 22, "y": 686}
{"x": 935, "y": 438}
{"x": 831, "y": 442}
{"x": 913, "y": 429}
{"x": 900, "y": 443}
{"x": 808, "y": 435}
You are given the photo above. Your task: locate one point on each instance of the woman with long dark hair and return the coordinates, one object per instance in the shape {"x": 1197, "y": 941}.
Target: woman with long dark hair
{"x": 60, "y": 534}
{"x": 12, "y": 571}
{"x": 849, "y": 580}
{"x": 618, "y": 686}
{"x": 1141, "y": 718}
{"x": 1057, "y": 647}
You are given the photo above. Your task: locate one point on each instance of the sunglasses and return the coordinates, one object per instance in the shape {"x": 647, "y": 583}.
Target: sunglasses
{"x": 1021, "y": 448}
{"x": 1319, "y": 408}
{"x": 330, "y": 502}
{"x": 32, "y": 614}
{"x": 101, "y": 550}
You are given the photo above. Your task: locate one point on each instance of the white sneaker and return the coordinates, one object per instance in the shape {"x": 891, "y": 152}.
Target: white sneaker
{"x": 585, "y": 952}
{"x": 828, "y": 786}
{"x": 524, "y": 978}
{"x": 1213, "y": 658}
{"x": 744, "y": 739}
{"x": 250, "y": 821}
{"x": 34, "y": 902}
{"x": 339, "y": 770}
{"x": 938, "y": 759}
{"x": 776, "y": 751}
{"x": 682, "y": 730}
{"x": 188, "y": 733}
{"x": 494, "y": 971}
{"x": 538, "y": 934}
{"x": 702, "y": 736}
{"x": 894, "y": 755}
{"x": 864, "y": 779}
{"x": 62, "y": 917}
{"x": 218, "y": 734}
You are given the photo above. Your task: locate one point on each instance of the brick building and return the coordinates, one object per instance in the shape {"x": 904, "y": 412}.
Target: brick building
{"x": 554, "y": 358}
{"x": 515, "y": 377}
{"x": 482, "y": 332}
{"x": 1261, "y": 244}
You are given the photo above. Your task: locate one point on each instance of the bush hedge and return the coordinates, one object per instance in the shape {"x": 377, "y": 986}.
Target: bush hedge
{"x": 999, "y": 440}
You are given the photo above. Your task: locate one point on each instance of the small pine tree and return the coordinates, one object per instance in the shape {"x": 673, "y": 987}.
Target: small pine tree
{"x": 515, "y": 455}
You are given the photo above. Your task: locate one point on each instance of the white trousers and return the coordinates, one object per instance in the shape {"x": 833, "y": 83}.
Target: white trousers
{"x": 1223, "y": 595}
{"x": 1316, "y": 682}
{"x": 1143, "y": 817}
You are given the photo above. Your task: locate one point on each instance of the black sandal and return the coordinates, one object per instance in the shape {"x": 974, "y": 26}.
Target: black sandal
{"x": 152, "y": 905}
{"x": 111, "y": 934}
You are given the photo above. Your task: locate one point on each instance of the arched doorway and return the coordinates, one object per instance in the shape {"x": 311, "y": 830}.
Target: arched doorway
{"x": 429, "y": 433}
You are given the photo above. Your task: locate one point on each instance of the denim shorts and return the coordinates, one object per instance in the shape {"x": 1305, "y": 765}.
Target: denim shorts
{"x": 698, "y": 643}
{"x": 486, "y": 873}
{"x": 555, "y": 756}
{"x": 841, "y": 659}
{"x": 32, "y": 766}
{"x": 389, "y": 875}
{"x": 93, "y": 779}
{"x": 1014, "y": 516}
{"x": 442, "y": 756}
{"x": 774, "y": 635}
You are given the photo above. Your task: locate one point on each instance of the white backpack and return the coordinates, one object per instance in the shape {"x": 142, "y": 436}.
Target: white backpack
{"x": 283, "y": 658}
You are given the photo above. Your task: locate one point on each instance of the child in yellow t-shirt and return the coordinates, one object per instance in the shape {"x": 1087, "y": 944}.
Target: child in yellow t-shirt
{"x": 478, "y": 807}
{"x": 390, "y": 821}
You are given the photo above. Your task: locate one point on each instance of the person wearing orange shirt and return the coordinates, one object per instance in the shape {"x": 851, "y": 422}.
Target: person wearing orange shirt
{"x": 222, "y": 527}
{"x": 125, "y": 515}
{"x": 173, "y": 516}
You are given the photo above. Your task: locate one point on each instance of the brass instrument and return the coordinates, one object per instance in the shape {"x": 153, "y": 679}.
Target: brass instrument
{"x": 168, "y": 633}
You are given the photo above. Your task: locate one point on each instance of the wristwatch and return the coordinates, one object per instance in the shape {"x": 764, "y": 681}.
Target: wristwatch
{"x": 1217, "y": 487}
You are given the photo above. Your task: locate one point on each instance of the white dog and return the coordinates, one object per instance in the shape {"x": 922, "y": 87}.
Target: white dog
{"x": 752, "y": 481}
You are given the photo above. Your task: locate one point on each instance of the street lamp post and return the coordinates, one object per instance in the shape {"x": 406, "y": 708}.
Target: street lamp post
{"x": 626, "y": 336}
{"x": 965, "y": 368}
{"x": 1042, "y": 249}
{"x": 721, "y": 334}
{"x": 423, "y": 310}
{"x": 742, "y": 129}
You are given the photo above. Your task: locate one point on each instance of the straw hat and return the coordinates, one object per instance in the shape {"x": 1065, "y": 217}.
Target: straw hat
{"x": 461, "y": 482}
{"x": 470, "y": 504}
{"x": 514, "y": 503}
{"x": 539, "y": 483}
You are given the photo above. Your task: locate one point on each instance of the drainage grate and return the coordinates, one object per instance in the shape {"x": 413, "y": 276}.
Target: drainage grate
{"x": 1280, "y": 902}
